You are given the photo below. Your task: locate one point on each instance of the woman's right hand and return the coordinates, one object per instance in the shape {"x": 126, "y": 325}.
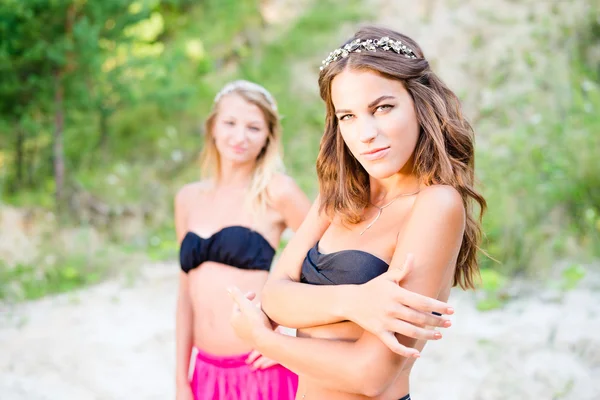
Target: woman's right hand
{"x": 184, "y": 392}
{"x": 383, "y": 308}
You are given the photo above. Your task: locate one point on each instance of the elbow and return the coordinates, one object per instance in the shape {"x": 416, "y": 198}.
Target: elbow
{"x": 272, "y": 304}
{"x": 373, "y": 378}
{"x": 374, "y": 391}
{"x": 375, "y": 388}
{"x": 184, "y": 311}
{"x": 268, "y": 301}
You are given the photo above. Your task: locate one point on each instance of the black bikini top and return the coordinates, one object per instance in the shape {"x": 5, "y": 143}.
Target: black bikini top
{"x": 236, "y": 246}
{"x": 346, "y": 267}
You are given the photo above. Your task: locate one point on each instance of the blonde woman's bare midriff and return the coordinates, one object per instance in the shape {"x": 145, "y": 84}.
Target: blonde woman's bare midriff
{"x": 212, "y": 306}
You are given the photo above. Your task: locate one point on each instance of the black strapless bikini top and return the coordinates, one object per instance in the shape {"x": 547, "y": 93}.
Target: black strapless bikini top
{"x": 236, "y": 246}
{"x": 346, "y": 267}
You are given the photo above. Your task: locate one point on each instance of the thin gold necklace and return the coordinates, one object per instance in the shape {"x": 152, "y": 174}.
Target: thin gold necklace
{"x": 384, "y": 206}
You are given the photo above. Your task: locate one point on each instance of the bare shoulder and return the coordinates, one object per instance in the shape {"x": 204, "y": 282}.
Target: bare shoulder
{"x": 189, "y": 191}
{"x": 440, "y": 202}
{"x": 283, "y": 188}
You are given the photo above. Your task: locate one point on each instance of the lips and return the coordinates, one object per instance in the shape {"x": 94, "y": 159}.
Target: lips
{"x": 376, "y": 154}
{"x": 238, "y": 150}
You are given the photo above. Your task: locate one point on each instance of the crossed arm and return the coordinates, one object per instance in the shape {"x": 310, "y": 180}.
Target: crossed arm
{"x": 367, "y": 366}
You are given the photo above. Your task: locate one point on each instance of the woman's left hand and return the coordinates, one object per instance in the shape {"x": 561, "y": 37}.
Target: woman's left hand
{"x": 247, "y": 319}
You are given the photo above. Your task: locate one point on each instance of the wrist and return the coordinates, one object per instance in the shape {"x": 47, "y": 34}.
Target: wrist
{"x": 263, "y": 337}
{"x": 344, "y": 303}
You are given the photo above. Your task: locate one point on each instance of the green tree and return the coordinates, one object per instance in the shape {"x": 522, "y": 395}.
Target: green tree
{"x": 61, "y": 57}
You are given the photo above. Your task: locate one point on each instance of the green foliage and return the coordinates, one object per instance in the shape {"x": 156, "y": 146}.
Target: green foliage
{"x": 492, "y": 285}
{"x": 302, "y": 117}
{"x": 139, "y": 78}
{"x": 144, "y": 77}
{"x": 571, "y": 276}
{"x": 162, "y": 244}
{"x": 540, "y": 173}
{"x": 100, "y": 56}
{"x": 65, "y": 272}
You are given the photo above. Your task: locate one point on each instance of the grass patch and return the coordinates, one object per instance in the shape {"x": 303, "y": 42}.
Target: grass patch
{"x": 56, "y": 272}
{"x": 492, "y": 285}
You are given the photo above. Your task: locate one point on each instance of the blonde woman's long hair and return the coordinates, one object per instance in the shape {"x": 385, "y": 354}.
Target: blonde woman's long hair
{"x": 269, "y": 160}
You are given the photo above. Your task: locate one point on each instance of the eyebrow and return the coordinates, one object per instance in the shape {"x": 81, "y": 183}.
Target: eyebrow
{"x": 254, "y": 122}
{"x": 371, "y": 104}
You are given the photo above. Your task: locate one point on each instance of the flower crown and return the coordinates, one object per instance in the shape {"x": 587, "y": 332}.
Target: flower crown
{"x": 356, "y": 46}
{"x": 246, "y": 85}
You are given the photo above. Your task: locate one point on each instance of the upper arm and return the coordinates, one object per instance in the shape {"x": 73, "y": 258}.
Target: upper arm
{"x": 289, "y": 200}
{"x": 433, "y": 234}
{"x": 180, "y": 208}
{"x": 310, "y": 231}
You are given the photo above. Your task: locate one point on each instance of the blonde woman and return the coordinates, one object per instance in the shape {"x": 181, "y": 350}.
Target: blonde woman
{"x": 229, "y": 225}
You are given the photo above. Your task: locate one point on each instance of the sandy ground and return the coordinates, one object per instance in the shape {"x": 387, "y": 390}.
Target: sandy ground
{"x": 115, "y": 341}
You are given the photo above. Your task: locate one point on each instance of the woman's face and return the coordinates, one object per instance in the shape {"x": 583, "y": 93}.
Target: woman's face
{"x": 377, "y": 121}
{"x": 240, "y": 130}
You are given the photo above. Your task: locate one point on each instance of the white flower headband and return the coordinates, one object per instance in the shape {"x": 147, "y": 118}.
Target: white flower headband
{"x": 246, "y": 85}
{"x": 357, "y": 46}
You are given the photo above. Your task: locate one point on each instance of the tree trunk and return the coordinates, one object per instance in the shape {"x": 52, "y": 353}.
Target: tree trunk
{"x": 59, "y": 114}
{"x": 19, "y": 156}
{"x": 103, "y": 139}
{"x": 32, "y": 156}
{"x": 58, "y": 150}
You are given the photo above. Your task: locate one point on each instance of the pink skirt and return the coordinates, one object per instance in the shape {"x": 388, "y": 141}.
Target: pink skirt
{"x": 229, "y": 378}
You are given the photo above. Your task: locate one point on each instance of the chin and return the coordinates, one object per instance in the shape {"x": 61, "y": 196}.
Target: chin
{"x": 240, "y": 158}
{"x": 381, "y": 171}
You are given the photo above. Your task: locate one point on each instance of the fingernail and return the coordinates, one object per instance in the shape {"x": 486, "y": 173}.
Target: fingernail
{"x": 447, "y": 324}
{"x": 437, "y": 335}
{"x": 450, "y": 310}
{"x": 416, "y": 355}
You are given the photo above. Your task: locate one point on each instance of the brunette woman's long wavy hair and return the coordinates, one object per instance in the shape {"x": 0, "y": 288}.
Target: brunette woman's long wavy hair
{"x": 444, "y": 154}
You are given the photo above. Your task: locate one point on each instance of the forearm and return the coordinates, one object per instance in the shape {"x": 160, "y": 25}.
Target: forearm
{"x": 334, "y": 364}
{"x": 184, "y": 340}
{"x": 300, "y": 305}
